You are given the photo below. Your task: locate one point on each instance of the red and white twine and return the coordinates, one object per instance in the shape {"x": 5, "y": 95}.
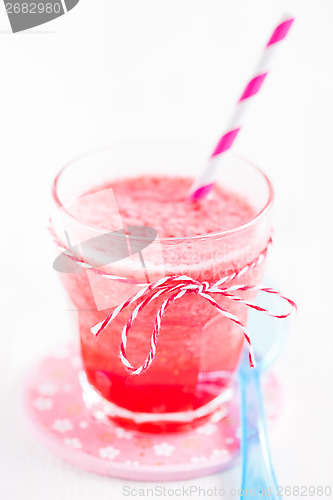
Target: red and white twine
{"x": 175, "y": 287}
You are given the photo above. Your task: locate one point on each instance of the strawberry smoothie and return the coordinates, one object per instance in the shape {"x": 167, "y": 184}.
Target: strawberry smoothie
{"x": 198, "y": 349}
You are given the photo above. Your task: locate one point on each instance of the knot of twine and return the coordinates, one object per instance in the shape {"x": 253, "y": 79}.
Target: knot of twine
{"x": 175, "y": 287}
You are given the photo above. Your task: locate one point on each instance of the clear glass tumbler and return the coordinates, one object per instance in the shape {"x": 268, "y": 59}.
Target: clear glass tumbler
{"x": 191, "y": 378}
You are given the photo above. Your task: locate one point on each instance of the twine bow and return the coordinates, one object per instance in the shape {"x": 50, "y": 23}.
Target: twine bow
{"x": 177, "y": 287}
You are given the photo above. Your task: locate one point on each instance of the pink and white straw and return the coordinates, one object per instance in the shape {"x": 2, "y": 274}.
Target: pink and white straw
{"x": 206, "y": 180}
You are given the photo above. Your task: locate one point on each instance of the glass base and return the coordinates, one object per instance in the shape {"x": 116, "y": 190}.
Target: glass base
{"x": 105, "y": 411}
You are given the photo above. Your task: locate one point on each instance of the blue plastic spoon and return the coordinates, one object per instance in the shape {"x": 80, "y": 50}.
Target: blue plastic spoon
{"x": 268, "y": 336}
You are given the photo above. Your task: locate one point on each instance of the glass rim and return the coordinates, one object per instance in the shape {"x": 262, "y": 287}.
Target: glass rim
{"x": 217, "y": 234}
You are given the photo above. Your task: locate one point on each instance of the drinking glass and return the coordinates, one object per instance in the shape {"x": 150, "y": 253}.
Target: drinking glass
{"x": 191, "y": 379}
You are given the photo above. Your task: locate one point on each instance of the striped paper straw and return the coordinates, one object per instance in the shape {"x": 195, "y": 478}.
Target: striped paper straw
{"x": 205, "y": 182}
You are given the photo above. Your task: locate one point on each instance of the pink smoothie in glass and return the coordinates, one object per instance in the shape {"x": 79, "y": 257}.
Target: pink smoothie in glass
{"x": 198, "y": 349}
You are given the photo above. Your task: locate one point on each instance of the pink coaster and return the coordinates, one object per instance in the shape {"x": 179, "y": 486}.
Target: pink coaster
{"x": 60, "y": 419}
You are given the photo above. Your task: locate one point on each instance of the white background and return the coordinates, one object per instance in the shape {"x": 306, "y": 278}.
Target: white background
{"x": 138, "y": 69}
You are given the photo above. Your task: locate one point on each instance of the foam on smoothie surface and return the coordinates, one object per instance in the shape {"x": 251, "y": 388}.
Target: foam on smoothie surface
{"x": 161, "y": 202}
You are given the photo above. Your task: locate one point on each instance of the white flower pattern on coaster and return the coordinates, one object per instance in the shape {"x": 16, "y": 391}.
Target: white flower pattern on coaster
{"x": 109, "y": 452}
{"x": 198, "y": 459}
{"x": 83, "y": 424}
{"x": 163, "y": 449}
{"x": 73, "y": 443}
{"x": 64, "y": 425}
{"x": 220, "y": 453}
{"x": 76, "y": 361}
{"x": 47, "y": 389}
{"x": 122, "y": 433}
{"x": 43, "y": 404}
{"x": 207, "y": 429}
{"x": 131, "y": 462}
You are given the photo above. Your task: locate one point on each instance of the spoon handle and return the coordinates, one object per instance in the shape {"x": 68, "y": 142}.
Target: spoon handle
{"x": 257, "y": 471}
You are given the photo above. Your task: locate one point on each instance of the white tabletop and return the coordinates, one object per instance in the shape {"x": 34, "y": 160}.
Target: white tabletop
{"x": 119, "y": 70}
